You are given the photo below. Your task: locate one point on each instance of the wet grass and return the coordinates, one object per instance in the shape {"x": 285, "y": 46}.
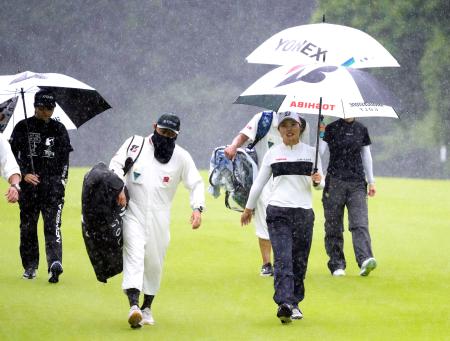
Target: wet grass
{"x": 211, "y": 289}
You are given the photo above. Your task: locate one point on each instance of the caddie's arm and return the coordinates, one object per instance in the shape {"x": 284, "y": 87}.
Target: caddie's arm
{"x": 193, "y": 181}
{"x": 122, "y": 198}
{"x": 118, "y": 160}
{"x": 196, "y": 218}
{"x": 12, "y": 195}
{"x": 238, "y": 141}
{"x": 116, "y": 165}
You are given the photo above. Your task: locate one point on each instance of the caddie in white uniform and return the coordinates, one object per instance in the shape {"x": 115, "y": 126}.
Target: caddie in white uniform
{"x": 152, "y": 182}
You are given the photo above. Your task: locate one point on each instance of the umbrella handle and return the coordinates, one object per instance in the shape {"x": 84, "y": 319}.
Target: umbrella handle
{"x": 28, "y": 131}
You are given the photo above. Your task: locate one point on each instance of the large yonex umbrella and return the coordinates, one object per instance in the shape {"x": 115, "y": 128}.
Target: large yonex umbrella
{"x": 335, "y": 44}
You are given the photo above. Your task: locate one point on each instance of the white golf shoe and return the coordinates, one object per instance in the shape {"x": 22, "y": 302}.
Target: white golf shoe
{"x": 367, "y": 266}
{"x": 135, "y": 317}
{"x": 296, "y": 313}
{"x": 339, "y": 273}
{"x": 147, "y": 317}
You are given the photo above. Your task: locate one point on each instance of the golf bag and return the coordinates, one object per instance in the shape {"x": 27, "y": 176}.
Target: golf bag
{"x": 102, "y": 221}
{"x": 234, "y": 176}
{"x": 102, "y": 216}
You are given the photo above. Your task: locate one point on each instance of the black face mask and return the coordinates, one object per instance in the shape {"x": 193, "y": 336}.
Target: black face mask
{"x": 164, "y": 147}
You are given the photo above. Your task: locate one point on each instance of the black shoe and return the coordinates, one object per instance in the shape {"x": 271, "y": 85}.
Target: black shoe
{"x": 29, "y": 273}
{"x": 284, "y": 313}
{"x": 55, "y": 270}
{"x": 266, "y": 270}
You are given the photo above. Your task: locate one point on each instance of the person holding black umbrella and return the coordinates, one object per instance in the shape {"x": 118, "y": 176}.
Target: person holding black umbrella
{"x": 349, "y": 173}
{"x": 41, "y": 146}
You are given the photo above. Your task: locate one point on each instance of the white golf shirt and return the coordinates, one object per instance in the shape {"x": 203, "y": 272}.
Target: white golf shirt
{"x": 291, "y": 167}
{"x": 272, "y": 137}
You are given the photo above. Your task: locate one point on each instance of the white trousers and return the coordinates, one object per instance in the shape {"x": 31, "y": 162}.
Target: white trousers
{"x": 144, "y": 248}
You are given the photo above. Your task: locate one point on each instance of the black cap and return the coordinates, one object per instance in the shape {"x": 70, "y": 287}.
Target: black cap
{"x": 169, "y": 121}
{"x": 44, "y": 98}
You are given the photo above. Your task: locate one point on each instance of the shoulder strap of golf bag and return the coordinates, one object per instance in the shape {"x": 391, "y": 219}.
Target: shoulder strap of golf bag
{"x": 133, "y": 152}
{"x": 263, "y": 128}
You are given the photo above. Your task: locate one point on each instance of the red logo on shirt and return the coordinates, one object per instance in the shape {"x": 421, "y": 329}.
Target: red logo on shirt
{"x": 281, "y": 159}
{"x": 249, "y": 127}
{"x": 166, "y": 179}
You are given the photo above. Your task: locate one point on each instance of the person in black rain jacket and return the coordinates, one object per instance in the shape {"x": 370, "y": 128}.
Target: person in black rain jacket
{"x": 44, "y": 176}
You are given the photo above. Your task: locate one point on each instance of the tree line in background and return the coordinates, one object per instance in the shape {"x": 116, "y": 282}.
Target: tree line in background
{"x": 417, "y": 33}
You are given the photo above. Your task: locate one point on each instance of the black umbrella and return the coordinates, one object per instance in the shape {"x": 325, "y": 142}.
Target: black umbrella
{"x": 76, "y": 101}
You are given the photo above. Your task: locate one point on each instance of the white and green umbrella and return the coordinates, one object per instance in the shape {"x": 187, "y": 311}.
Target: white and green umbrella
{"x": 323, "y": 42}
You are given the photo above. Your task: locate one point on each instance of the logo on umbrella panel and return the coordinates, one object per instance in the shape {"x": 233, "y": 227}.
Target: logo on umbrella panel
{"x": 311, "y": 105}
{"x": 361, "y": 104}
{"x": 307, "y": 48}
{"x": 315, "y": 76}
{"x": 366, "y": 106}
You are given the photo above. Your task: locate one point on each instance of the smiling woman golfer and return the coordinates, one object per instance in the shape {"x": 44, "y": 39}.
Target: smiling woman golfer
{"x": 290, "y": 216}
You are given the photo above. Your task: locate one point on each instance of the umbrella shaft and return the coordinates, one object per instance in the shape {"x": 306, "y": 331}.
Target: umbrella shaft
{"x": 318, "y": 134}
{"x": 28, "y": 132}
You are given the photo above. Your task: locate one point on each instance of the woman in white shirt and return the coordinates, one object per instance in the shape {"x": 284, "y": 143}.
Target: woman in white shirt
{"x": 290, "y": 217}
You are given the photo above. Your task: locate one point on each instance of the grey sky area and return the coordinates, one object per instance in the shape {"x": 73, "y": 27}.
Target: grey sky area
{"x": 151, "y": 57}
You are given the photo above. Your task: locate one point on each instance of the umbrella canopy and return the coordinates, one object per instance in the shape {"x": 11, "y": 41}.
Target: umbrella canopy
{"x": 335, "y": 44}
{"x": 345, "y": 92}
{"x": 76, "y": 102}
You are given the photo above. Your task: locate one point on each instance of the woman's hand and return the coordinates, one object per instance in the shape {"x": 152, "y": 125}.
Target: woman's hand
{"x": 316, "y": 178}
{"x": 246, "y": 216}
{"x": 372, "y": 190}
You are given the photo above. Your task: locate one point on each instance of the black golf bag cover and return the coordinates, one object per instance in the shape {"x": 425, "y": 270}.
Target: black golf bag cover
{"x": 102, "y": 221}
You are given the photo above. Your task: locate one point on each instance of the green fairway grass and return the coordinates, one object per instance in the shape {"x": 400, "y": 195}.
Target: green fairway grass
{"x": 211, "y": 288}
